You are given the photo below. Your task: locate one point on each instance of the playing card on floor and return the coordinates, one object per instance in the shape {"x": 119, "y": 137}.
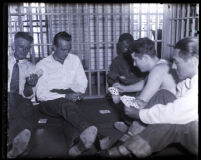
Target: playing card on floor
{"x": 113, "y": 91}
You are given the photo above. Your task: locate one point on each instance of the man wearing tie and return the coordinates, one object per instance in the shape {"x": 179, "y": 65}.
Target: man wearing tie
{"x": 21, "y": 85}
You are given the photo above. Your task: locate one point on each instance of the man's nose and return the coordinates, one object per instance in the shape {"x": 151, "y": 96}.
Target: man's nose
{"x": 174, "y": 66}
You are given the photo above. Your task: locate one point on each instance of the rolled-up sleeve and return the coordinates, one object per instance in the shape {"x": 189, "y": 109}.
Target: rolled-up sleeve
{"x": 80, "y": 80}
{"x": 183, "y": 110}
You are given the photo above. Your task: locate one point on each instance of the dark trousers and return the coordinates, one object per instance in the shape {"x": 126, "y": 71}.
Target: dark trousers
{"x": 66, "y": 109}
{"x": 160, "y": 136}
{"x": 20, "y": 115}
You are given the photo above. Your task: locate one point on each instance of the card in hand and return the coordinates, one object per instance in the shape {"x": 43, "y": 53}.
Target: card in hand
{"x": 113, "y": 91}
{"x": 129, "y": 101}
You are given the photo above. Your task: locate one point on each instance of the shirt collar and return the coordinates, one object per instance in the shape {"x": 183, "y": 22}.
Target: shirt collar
{"x": 190, "y": 82}
{"x": 52, "y": 58}
{"x": 19, "y": 61}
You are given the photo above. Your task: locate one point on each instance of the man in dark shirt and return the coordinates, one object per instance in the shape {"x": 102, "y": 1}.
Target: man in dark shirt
{"x": 121, "y": 69}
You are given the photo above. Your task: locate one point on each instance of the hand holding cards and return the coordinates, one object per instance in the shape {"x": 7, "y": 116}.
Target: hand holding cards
{"x": 113, "y": 91}
{"x": 115, "y": 94}
{"x": 129, "y": 101}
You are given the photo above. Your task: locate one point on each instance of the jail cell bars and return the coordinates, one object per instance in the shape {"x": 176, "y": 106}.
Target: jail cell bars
{"x": 95, "y": 29}
{"x": 183, "y": 21}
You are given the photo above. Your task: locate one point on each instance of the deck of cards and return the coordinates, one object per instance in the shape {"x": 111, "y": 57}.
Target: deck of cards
{"x": 113, "y": 91}
{"x": 129, "y": 101}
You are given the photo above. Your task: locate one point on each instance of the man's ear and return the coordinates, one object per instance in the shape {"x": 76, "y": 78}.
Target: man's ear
{"x": 13, "y": 46}
{"x": 145, "y": 57}
{"x": 194, "y": 60}
{"x": 54, "y": 48}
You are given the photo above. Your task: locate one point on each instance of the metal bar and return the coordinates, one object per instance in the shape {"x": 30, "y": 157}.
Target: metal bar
{"x": 50, "y": 24}
{"x": 41, "y": 35}
{"x": 187, "y": 23}
{"x": 79, "y": 36}
{"x": 123, "y": 20}
{"x": 20, "y": 18}
{"x": 9, "y": 33}
{"x": 31, "y": 30}
{"x": 184, "y": 18}
{"x": 90, "y": 87}
{"x": 139, "y": 22}
{"x": 182, "y": 21}
{"x": 148, "y": 21}
{"x": 106, "y": 87}
{"x": 36, "y": 32}
{"x": 156, "y": 32}
{"x": 114, "y": 33}
{"x": 178, "y": 26}
{"x": 64, "y": 13}
{"x": 98, "y": 82}
{"x": 97, "y": 57}
{"x": 193, "y": 28}
{"x": 106, "y": 33}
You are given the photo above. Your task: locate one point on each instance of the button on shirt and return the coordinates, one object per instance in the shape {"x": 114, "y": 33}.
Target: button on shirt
{"x": 25, "y": 69}
{"x": 69, "y": 75}
{"x": 182, "y": 111}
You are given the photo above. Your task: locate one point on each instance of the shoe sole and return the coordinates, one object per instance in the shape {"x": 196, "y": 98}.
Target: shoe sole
{"x": 20, "y": 144}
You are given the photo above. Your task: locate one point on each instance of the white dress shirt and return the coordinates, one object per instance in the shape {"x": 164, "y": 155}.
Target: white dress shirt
{"x": 25, "y": 69}
{"x": 69, "y": 75}
{"x": 182, "y": 111}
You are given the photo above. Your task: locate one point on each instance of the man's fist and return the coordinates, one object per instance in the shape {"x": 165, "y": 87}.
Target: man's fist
{"x": 74, "y": 97}
{"x": 32, "y": 80}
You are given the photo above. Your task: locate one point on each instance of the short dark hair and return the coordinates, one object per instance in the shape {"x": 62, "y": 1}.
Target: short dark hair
{"x": 24, "y": 35}
{"x": 61, "y": 35}
{"x": 125, "y": 37}
{"x": 188, "y": 47}
{"x": 144, "y": 46}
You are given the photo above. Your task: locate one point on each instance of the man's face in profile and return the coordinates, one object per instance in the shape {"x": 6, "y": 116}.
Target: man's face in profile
{"x": 184, "y": 68}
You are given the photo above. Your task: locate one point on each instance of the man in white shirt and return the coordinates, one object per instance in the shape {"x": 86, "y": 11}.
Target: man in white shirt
{"x": 21, "y": 83}
{"x": 59, "y": 88}
{"x": 177, "y": 121}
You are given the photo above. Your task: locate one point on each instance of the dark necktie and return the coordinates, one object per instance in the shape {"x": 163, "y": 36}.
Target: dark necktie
{"x": 14, "y": 84}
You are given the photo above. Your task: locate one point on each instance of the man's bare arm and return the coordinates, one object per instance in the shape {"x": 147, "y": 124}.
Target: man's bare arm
{"x": 130, "y": 88}
{"x": 155, "y": 80}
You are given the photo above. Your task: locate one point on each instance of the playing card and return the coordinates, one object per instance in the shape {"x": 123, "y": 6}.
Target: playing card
{"x": 113, "y": 91}
{"x": 129, "y": 101}
{"x": 104, "y": 111}
{"x": 42, "y": 121}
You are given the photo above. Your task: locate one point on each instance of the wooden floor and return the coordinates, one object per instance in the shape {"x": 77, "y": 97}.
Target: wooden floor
{"x": 53, "y": 139}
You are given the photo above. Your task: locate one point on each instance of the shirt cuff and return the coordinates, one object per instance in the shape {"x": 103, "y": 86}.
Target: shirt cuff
{"x": 143, "y": 116}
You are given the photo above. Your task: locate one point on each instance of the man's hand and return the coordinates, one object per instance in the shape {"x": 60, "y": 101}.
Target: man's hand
{"x": 120, "y": 87}
{"x": 74, "y": 97}
{"x": 32, "y": 80}
{"x": 140, "y": 103}
{"x": 131, "y": 112}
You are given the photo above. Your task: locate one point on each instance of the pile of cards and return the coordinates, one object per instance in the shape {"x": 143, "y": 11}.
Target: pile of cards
{"x": 129, "y": 101}
{"x": 113, "y": 91}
